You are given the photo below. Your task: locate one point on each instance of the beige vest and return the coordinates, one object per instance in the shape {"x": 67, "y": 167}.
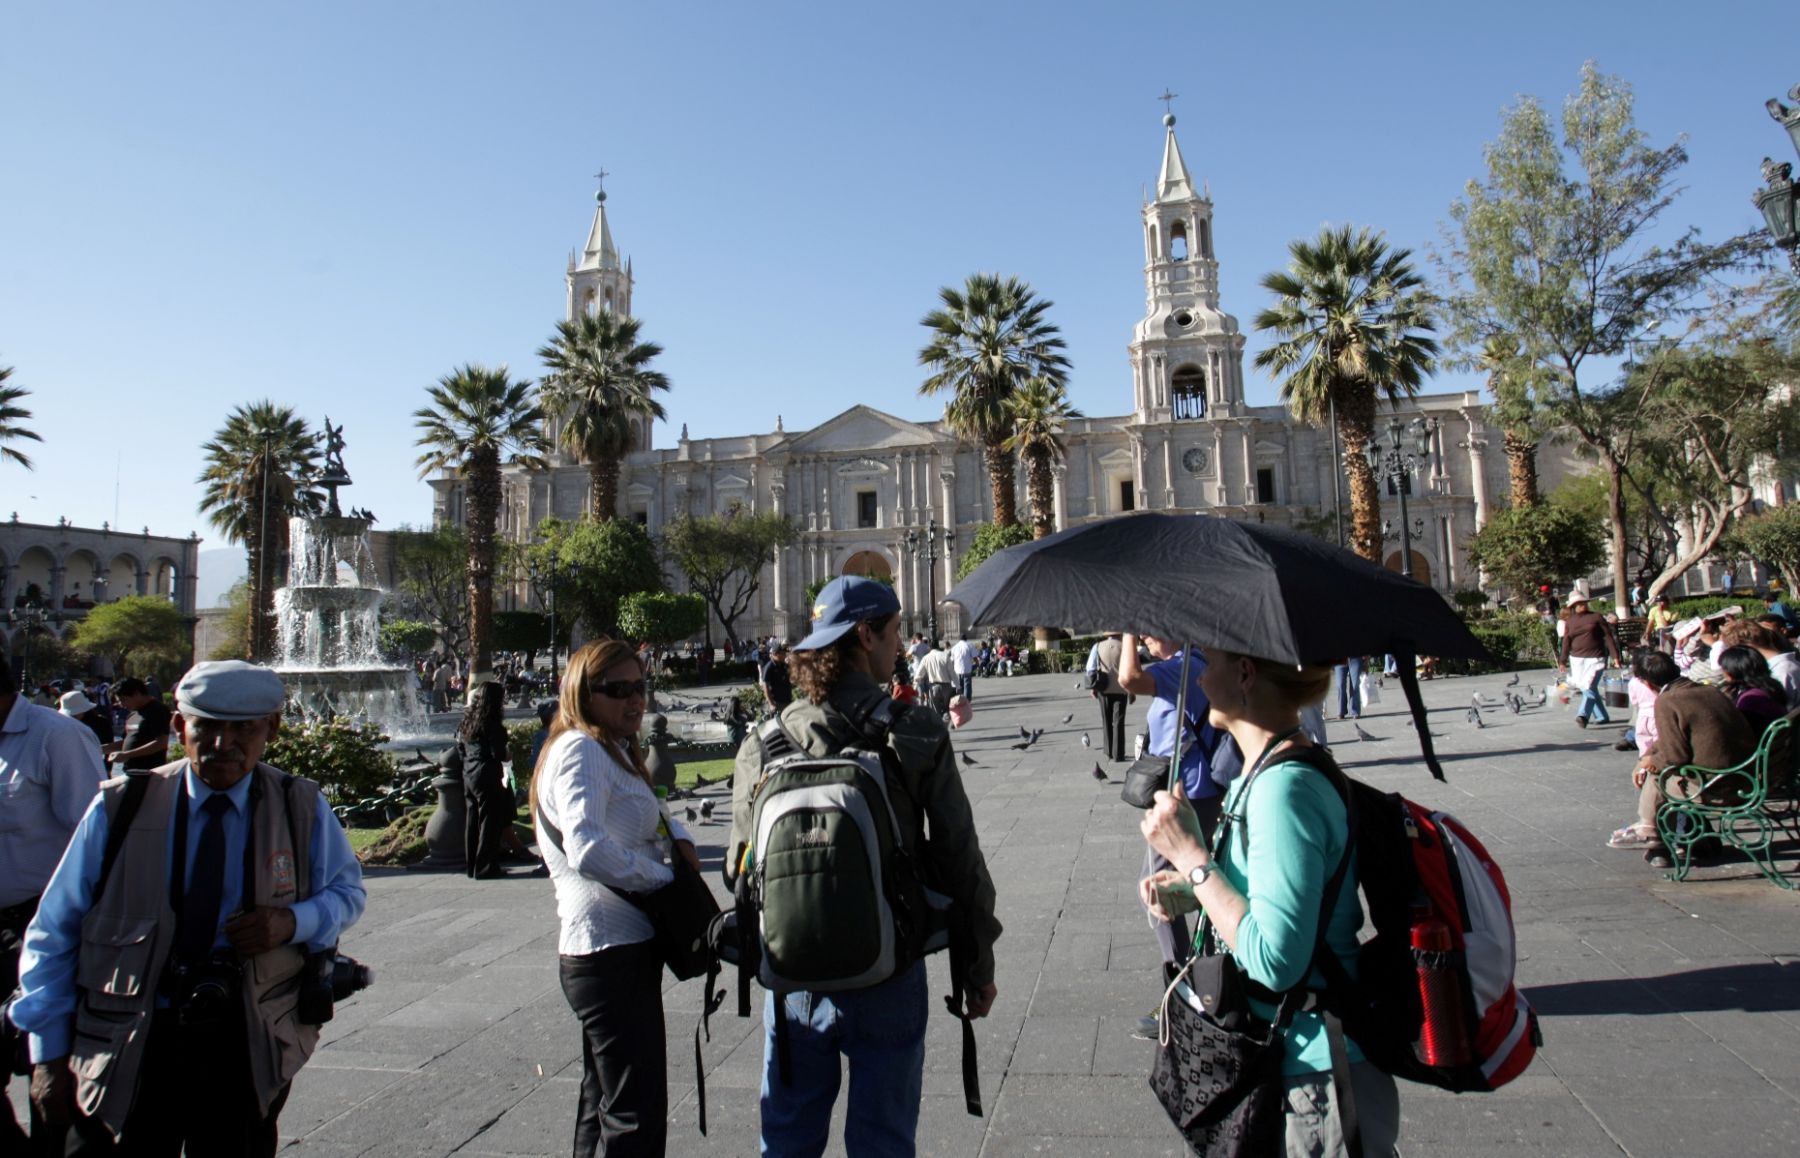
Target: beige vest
{"x": 128, "y": 934}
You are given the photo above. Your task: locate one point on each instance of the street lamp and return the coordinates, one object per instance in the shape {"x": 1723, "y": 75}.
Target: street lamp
{"x": 1777, "y": 200}
{"x": 32, "y": 618}
{"x": 925, "y": 544}
{"x": 1397, "y": 466}
{"x": 545, "y": 578}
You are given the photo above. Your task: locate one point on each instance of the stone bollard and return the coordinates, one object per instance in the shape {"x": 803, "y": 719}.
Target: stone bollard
{"x": 657, "y": 760}
{"x": 444, "y": 833}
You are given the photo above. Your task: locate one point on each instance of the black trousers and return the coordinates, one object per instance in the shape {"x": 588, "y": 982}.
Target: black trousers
{"x": 216, "y": 1118}
{"x": 617, "y": 995}
{"x": 43, "y": 1139}
{"x": 488, "y": 812}
{"x": 1112, "y": 725}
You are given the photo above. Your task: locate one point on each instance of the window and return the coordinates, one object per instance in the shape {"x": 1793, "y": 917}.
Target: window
{"x": 1187, "y": 391}
{"x": 865, "y": 508}
{"x": 1265, "y": 484}
{"x": 1127, "y": 495}
{"x": 1178, "y": 242}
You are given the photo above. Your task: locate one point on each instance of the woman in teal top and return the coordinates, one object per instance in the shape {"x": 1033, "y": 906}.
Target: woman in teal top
{"x": 1263, "y": 888}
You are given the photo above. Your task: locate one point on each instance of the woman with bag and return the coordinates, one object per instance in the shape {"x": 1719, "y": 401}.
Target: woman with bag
{"x": 1262, "y": 891}
{"x": 602, "y": 831}
{"x": 489, "y": 804}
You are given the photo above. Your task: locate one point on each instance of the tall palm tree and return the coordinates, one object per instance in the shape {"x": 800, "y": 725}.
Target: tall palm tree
{"x": 1038, "y": 411}
{"x": 598, "y": 379}
{"x": 258, "y": 475}
{"x": 11, "y": 416}
{"x": 1352, "y": 325}
{"x": 1509, "y": 382}
{"x": 987, "y": 341}
{"x": 477, "y": 419}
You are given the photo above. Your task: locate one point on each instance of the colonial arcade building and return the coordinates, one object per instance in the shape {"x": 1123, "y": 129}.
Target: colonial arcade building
{"x": 856, "y": 484}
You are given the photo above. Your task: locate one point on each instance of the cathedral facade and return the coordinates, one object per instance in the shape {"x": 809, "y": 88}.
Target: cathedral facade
{"x": 857, "y": 484}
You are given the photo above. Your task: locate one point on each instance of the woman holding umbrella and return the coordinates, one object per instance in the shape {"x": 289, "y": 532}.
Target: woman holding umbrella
{"x": 1262, "y": 889}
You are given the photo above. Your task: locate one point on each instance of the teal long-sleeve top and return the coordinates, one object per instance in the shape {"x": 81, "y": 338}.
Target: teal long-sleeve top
{"x": 1288, "y": 828}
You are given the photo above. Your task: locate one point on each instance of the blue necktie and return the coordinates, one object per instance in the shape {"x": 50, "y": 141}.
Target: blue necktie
{"x": 198, "y": 923}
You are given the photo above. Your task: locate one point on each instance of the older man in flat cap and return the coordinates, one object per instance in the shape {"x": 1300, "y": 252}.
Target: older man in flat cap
{"x": 169, "y": 945}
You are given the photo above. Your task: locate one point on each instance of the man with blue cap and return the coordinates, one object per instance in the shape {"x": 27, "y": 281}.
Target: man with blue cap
{"x": 840, "y": 672}
{"x": 189, "y": 896}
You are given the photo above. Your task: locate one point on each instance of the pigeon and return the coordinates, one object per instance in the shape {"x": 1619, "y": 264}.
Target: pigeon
{"x": 1020, "y": 747}
{"x": 1543, "y": 697}
{"x": 1035, "y": 733}
{"x": 1475, "y": 704}
{"x": 1024, "y": 734}
{"x": 1077, "y": 685}
{"x": 1085, "y": 742}
{"x": 1531, "y": 689}
{"x": 1513, "y": 704}
{"x": 1098, "y": 774}
{"x": 692, "y": 815}
{"x": 706, "y": 809}
{"x": 969, "y": 760}
{"x": 1068, "y": 718}
{"x": 1475, "y": 718}
{"x": 1513, "y": 682}
{"x": 1360, "y": 734}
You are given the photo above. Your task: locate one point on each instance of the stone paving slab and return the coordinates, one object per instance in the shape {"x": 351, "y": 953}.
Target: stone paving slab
{"x": 1671, "y": 1011}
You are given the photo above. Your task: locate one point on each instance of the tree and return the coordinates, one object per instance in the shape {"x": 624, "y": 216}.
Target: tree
{"x": 258, "y": 475}
{"x": 1509, "y": 380}
{"x": 405, "y": 638}
{"x": 1038, "y": 412}
{"x": 1774, "y": 538}
{"x": 597, "y": 381}
{"x": 723, "y": 558}
{"x": 234, "y": 625}
{"x": 1555, "y": 247}
{"x": 478, "y": 419}
{"x": 987, "y": 341}
{"x": 662, "y": 617}
{"x": 1521, "y": 547}
{"x": 11, "y": 416}
{"x": 139, "y": 633}
{"x": 601, "y": 564}
{"x": 1352, "y": 326}
{"x": 526, "y": 631}
{"x": 989, "y": 539}
{"x": 430, "y": 581}
{"x": 1647, "y": 549}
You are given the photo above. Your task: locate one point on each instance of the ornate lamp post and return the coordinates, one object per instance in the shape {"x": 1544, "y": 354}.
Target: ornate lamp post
{"x": 1776, "y": 201}
{"x": 32, "y": 618}
{"x": 1396, "y": 465}
{"x": 545, "y": 578}
{"x": 925, "y": 544}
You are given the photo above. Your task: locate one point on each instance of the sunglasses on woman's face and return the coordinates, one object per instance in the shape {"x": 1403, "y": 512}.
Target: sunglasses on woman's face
{"x": 619, "y": 689}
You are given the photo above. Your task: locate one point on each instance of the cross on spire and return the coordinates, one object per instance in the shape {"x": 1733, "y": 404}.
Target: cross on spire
{"x": 601, "y": 176}
{"x": 1168, "y": 99}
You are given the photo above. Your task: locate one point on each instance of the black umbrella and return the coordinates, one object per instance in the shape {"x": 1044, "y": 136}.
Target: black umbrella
{"x": 1243, "y": 587}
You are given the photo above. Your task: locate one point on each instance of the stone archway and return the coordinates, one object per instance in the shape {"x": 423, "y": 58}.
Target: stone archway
{"x": 870, "y": 564}
{"x": 1420, "y": 567}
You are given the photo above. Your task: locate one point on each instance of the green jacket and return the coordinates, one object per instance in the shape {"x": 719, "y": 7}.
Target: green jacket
{"x": 952, "y": 857}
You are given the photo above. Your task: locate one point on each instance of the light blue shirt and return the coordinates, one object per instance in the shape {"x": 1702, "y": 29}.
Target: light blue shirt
{"x": 46, "y": 1005}
{"x": 1159, "y": 719}
{"x": 50, "y": 769}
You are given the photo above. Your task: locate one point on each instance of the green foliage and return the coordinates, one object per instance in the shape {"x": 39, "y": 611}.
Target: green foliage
{"x": 12, "y": 418}
{"x": 751, "y": 696}
{"x": 430, "y": 580}
{"x": 141, "y": 634}
{"x": 1774, "y": 537}
{"x": 343, "y": 756}
{"x": 723, "y": 556}
{"x": 988, "y": 540}
{"x": 1470, "y": 601}
{"x": 518, "y": 753}
{"x": 1522, "y": 547}
{"x": 1517, "y": 639}
{"x": 601, "y": 563}
{"x": 526, "y": 631}
{"x": 660, "y": 617}
{"x": 405, "y": 638}
{"x": 234, "y": 625}
{"x": 400, "y": 843}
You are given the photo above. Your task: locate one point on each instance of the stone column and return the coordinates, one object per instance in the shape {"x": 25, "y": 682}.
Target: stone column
{"x": 1477, "y": 445}
{"x": 1059, "y": 479}
{"x": 779, "y": 570}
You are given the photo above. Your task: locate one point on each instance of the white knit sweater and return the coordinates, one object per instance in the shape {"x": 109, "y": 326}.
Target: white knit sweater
{"x": 607, "y": 816}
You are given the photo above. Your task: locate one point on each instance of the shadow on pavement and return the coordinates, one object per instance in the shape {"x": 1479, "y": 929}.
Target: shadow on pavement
{"x": 1758, "y": 987}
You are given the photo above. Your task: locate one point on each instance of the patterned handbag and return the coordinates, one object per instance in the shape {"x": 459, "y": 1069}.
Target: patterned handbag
{"x": 1220, "y": 1086}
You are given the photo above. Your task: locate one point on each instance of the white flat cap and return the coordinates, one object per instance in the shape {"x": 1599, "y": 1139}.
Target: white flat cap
{"x": 230, "y": 690}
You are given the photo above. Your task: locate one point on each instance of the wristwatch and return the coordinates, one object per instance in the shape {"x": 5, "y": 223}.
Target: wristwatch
{"x": 1198, "y": 874}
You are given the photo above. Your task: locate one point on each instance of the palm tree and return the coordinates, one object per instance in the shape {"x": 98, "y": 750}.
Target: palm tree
{"x": 987, "y": 341}
{"x": 258, "y": 475}
{"x": 599, "y": 380}
{"x": 10, "y": 417}
{"x": 1352, "y": 323}
{"x": 1510, "y": 383}
{"x": 479, "y": 417}
{"x": 1038, "y": 411}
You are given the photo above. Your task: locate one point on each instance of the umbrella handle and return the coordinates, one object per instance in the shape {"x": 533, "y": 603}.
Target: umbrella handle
{"x": 1179, "y": 749}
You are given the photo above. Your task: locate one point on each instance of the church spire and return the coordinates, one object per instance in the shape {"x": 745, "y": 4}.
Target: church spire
{"x": 1174, "y": 184}
{"x": 600, "y": 252}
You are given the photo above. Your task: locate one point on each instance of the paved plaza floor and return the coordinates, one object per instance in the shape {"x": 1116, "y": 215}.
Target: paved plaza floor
{"x": 1671, "y": 1012}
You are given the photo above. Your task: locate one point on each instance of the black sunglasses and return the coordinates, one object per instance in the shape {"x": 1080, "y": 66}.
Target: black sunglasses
{"x": 620, "y": 689}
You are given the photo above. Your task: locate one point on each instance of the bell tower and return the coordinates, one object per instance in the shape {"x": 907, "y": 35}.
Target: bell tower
{"x": 596, "y": 280}
{"x": 1186, "y": 354}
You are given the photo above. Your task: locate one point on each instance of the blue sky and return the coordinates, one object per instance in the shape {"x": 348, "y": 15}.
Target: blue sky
{"x": 332, "y": 204}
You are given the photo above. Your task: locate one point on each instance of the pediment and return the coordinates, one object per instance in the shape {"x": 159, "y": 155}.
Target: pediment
{"x": 638, "y": 490}
{"x": 862, "y": 467}
{"x": 1121, "y": 457}
{"x": 1265, "y": 446}
{"x": 862, "y": 428}
{"x": 731, "y": 482}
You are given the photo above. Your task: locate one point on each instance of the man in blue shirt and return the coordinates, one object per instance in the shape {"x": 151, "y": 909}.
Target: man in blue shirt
{"x": 225, "y": 875}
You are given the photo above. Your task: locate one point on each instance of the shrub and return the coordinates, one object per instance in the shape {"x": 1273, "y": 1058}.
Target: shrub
{"x": 518, "y": 753}
{"x": 401, "y": 842}
{"x": 1519, "y": 639}
{"x": 344, "y": 757}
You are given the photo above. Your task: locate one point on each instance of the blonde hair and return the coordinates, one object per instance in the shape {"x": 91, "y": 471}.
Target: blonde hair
{"x": 586, "y": 666}
{"x": 1749, "y": 633}
{"x": 1297, "y": 686}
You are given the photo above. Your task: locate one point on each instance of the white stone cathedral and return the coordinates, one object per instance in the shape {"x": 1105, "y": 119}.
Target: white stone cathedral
{"x": 856, "y": 484}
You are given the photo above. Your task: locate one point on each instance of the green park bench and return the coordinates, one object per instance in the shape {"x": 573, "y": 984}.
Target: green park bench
{"x": 1744, "y": 806}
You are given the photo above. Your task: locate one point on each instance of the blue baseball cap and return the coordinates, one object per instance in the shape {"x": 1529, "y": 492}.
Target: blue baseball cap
{"x": 845, "y": 602}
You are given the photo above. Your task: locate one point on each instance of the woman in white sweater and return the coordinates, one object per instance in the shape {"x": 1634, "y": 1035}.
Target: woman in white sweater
{"x": 601, "y": 829}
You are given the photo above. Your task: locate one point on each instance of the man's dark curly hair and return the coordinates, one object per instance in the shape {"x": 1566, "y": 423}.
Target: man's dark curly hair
{"x": 817, "y": 672}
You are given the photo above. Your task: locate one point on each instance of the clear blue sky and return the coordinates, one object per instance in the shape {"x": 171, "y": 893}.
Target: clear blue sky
{"x": 332, "y": 204}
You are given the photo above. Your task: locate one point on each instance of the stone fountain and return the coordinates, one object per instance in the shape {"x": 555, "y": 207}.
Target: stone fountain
{"x": 328, "y": 618}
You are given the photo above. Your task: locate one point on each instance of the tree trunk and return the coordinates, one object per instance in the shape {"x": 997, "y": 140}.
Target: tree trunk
{"x": 1000, "y": 481}
{"x": 1356, "y": 422}
{"x": 603, "y": 485}
{"x": 1521, "y": 469}
{"x": 1042, "y": 487}
{"x": 483, "y": 473}
{"x": 1615, "y": 513}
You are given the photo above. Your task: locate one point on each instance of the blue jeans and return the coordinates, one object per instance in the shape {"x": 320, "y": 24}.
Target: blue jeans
{"x": 881, "y": 1030}
{"x": 1349, "y": 678}
{"x": 966, "y": 681}
{"x": 1593, "y": 705}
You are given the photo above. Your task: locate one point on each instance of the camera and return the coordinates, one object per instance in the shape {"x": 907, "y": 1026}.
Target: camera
{"x": 326, "y": 979}
{"x": 208, "y": 993}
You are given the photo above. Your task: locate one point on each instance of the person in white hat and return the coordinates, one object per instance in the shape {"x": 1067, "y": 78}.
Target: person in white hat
{"x": 77, "y": 706}
{"x": 1587, "y": 643}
